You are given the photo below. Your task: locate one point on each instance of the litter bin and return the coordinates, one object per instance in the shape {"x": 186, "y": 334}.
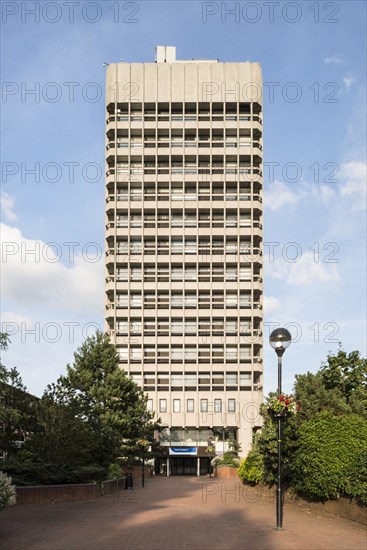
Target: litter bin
{"x": 129, "y": 481}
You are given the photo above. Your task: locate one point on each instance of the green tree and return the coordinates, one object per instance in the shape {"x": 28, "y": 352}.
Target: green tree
{"x": 17, "y": 417}
{"x": 62, "y": 437}
{"x": 313, "y": 396}
{"x": 4, "y": 344}
{"x": 338, "y": 391}
{"x": 348, "y": 374}
{"x": 114, "y": 407}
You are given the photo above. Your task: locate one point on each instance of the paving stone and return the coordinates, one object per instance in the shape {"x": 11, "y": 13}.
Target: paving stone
{"x": 177, "y": 513}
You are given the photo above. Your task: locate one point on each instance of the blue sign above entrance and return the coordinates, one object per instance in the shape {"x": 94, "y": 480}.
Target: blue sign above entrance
{"x": 182, "y": 450}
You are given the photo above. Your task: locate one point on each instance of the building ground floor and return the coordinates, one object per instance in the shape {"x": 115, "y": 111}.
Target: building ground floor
{"x": 189, "y": 451}
{"x": 182, "y": 465}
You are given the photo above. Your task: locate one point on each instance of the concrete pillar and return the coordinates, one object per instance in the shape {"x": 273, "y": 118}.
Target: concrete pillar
{"x": 168, "y": 466}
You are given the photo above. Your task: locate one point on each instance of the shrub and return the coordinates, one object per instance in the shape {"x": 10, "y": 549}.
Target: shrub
{"x": 115, "y": 470}
{"x": 229, "y": 460}
{"x": 356, "y": 486}
{"x": 327, "y": 462}
{"x": 252, "y": 467}
{"x": 7, "y": 491}
{"x": 36, "y": 472}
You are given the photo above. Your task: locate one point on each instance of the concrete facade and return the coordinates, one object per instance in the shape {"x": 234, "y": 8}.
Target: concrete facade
{"x": 183, "y": 243}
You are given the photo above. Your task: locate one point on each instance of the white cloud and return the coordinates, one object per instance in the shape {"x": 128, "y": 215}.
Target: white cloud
{"x": 271, "y": 305}
{"x": 308, "y": 270}
{"x": 34, "y": 275}
{"x": 348, "y": 81}
{"x": 354, "y": 175}
{"x": 279, "y": 195}
{"x": 333, "y": 60}
{"x": 327, "y": 193}
{"x": 7, "y": 206}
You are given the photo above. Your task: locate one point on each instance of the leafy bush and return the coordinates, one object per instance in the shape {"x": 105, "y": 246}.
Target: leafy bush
{"x": 327, "y": 462}
{"x": 229, "y": 458}
{"x": 27, "y": 471}
{"x": 7, "y": 491}
{"x": 356, "y": 486}
{"x": 252, "y": 467}
{"x": 115, "y": 470}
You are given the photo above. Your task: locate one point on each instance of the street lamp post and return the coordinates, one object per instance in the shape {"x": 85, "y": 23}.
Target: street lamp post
{"x": 210, "y": 450}
{"x": 279, "y": 340}
{"x": 143, "y": 443}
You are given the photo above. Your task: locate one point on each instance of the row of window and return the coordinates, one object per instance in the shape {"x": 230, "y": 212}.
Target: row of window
{"x": 213, "y": 188}
{"x": 192, "y": 378}
{"x": 180, "y": 241}
{"x": 184, "y": 245}
{"x": 189, "y": 354}
{"x": 204, "y": 195}
{"x": 182, "y": 107}
{"x": 200, "y": 436}
{"x": 188, "y": 218}
{"x": 217, "y": 406}
{"x": 215, "y": 299}
{"x": 188, "y": 134}
{"x": 124, "y": 144}
{"x": 191, "y": 326}
{"x": 192, "y": 273}
{"x": 165, "y": 168}
{"x": 180, "y": 118}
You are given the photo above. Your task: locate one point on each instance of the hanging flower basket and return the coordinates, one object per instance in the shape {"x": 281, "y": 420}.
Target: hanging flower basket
{"x": 275, "y": 415}
{"x": 282, "y": 406}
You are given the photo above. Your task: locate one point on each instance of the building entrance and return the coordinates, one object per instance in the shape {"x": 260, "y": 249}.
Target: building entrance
{"x": 183, "y": 466}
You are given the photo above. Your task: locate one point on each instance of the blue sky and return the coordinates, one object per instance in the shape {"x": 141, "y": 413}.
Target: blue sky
{"x": 313, "y": 61}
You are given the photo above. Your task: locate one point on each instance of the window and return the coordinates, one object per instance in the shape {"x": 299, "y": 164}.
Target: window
{"x": 217, "y": 405}
{"x": 136, "y": 354}
{"x": 203, "y": 405}
{"x": 150, "y": 405}
{"x": 204, "y": 378}
{"x": 163, "y": 378}
{"x": 176, "y": 379}
{"x": 176, "y": 354}
{"x": 190, "y": 407}
{"x": 218, "y": 378}
{"x": 231, "y": 405}
{"x": 163, "y": 405}
{"x": 231, "y": 379}
{"x": 190, "y": 353}
{"x": 138, "y": 379}
{"x": 149, "y": 378}
{"x": 176, "y": 405}
{"x": 245, "y": 378}
{"x": 231, "y": 353}
{"x": 122, "y": 274}
{"x": 244, "y": 353}
{"x": 124, "y": 354}
{"x": 176, "y": 327}
{"x": 190, "y": 379}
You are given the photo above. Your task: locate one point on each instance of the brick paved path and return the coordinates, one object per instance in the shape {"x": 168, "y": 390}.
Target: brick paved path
{"x": 176, "y": 513}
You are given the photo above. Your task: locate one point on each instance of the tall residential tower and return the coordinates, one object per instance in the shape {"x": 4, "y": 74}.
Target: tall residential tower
{"x": 183, "y": 247}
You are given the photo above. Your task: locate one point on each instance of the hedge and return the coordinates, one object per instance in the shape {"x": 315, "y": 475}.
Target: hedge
{"x": 330, "y": 460}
